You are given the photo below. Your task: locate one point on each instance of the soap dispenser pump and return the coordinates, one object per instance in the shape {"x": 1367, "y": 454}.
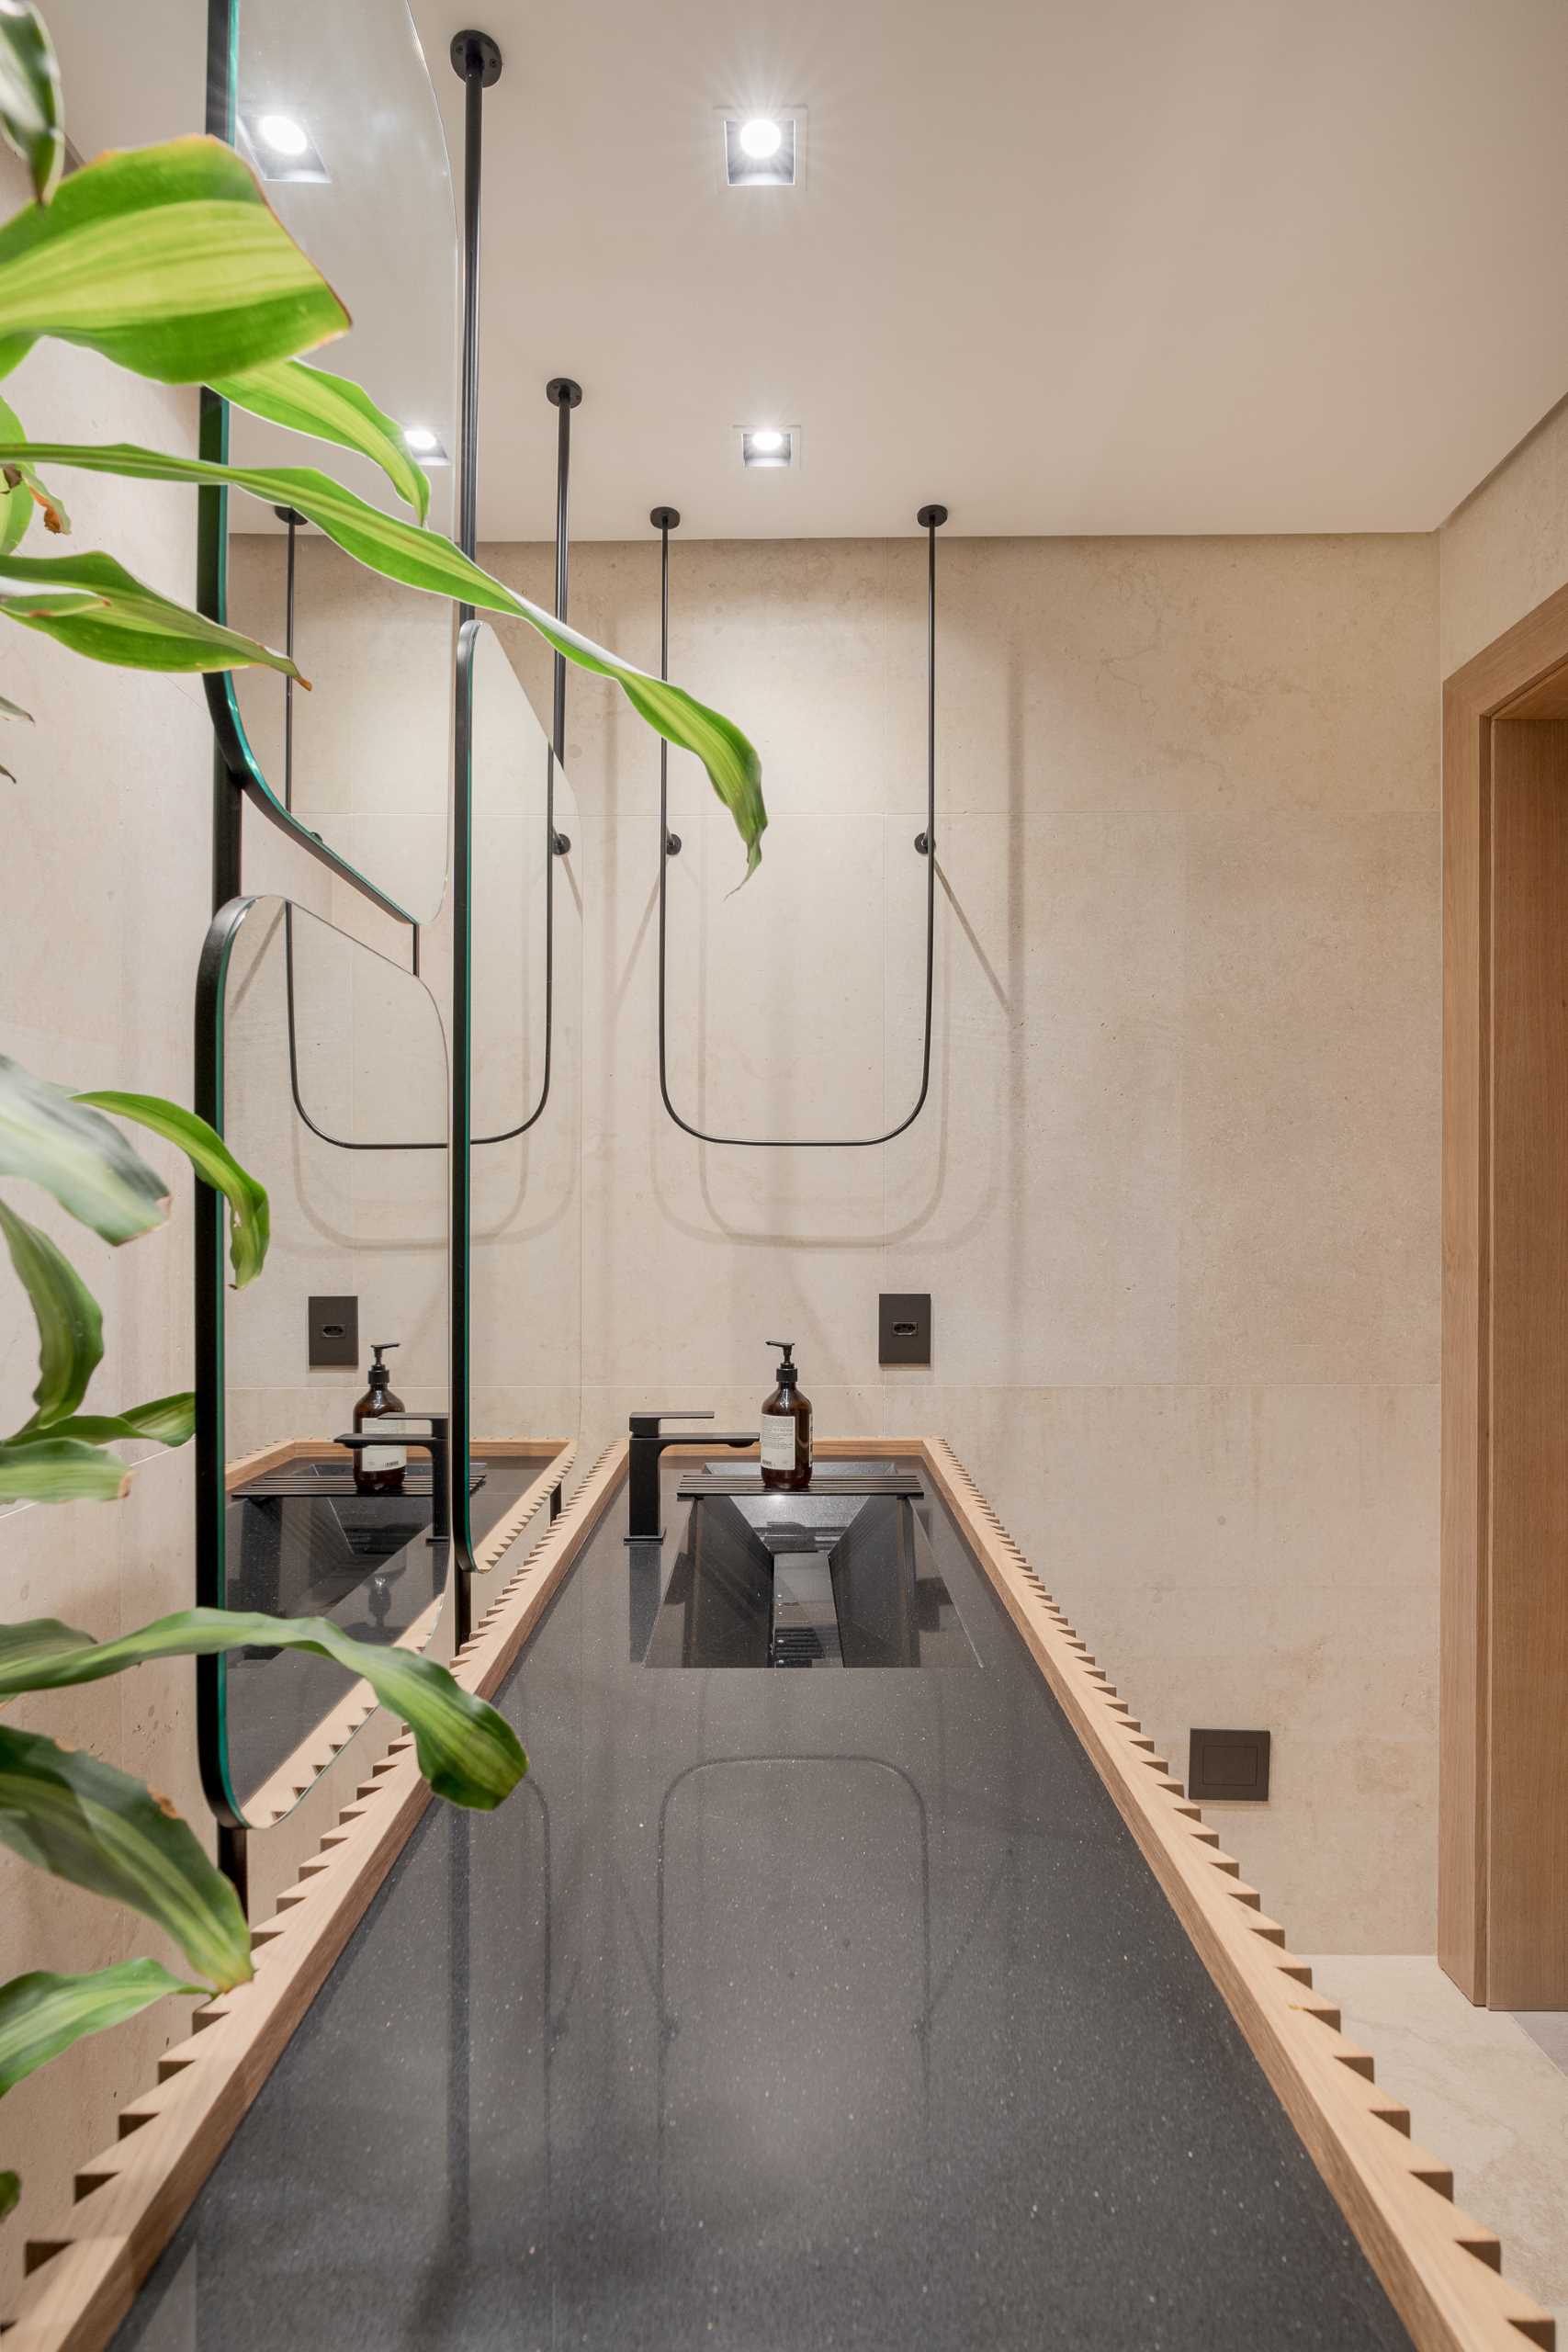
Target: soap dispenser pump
{"x": 379, "y": 1469}
{"x": 787, "y": 1428}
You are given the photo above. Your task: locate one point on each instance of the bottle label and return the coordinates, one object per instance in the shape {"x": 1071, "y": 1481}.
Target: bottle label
{"x": 778, "y": 1441}
{"x": 387, "y": 1457}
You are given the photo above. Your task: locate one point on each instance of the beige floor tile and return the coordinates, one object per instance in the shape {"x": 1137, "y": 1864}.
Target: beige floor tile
{"x": 1482, "y": 2093}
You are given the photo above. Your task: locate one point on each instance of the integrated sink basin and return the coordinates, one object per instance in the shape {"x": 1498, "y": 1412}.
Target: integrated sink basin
{"x": 831, "y": 1577}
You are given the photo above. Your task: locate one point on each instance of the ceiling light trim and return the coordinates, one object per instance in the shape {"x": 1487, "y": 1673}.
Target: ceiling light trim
{"x": 736, "y": 170}
{"x": 787, "y": 460}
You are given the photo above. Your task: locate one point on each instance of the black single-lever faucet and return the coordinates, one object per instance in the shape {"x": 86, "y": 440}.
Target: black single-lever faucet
{"x": 648, "y": 1442}
{"x": 433, "y": 1441}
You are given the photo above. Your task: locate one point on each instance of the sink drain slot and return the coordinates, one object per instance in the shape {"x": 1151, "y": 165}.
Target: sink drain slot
{"x": 805, "y": 1628}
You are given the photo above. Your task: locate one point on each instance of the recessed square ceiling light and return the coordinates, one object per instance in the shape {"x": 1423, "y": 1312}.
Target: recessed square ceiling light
{"x": 281, "y": 146}
{"x": 766, "y": 149}
{"x": 767, "y": 444}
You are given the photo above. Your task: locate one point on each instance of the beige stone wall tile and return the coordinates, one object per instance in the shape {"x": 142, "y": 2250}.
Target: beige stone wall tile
{"x": 1193, "y": 673}
{"x": 1042, "y": 1196}
{"x": 1310, "y": 1105}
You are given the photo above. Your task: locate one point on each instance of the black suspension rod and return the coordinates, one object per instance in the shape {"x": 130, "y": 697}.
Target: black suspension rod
{"x": 291, "y": 520}
{"x": 564, "y": 395}
{"x": 931, "y": 519}
{"x": 477, "y": 61}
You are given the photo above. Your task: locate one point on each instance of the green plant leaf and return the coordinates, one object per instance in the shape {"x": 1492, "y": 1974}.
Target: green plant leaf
{"x": 168, "y": 260}
{"x": 250, "y": 1216}
{"x": 86, "y": 1821}
{"x": 22, "y": 482}
{"x": 170, "y": 1420}
{"x": 42, "y": 2014}
{"x": 47, "y": 1468}
{"x": 69, "y": 1324}
{"x": 332, "y": 408}
{"x": 50, "y": 1138}
{"x": 16, "y": 503}
{"x": 15, "y": 514}
{"x": 16, "y": 511}
{"x": 30, "y": 111}
{"x": 468, "y": 1752}
{"x": 92, "y": 605}
{"x": 24, "y": 478}
{"x": 420, "y": 559}
{"x": 10, "y": 2192}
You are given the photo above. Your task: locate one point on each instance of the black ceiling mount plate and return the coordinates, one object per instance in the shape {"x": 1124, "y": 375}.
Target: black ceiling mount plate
{"x": 931, "y": 518}
{"x": 476, "y": 53}
{"x": 564, "y": 392}
{"x": 666, "y": 518}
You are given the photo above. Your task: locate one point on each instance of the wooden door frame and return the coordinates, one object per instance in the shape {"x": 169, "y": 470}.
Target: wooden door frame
{"x": 1522, "y": 675}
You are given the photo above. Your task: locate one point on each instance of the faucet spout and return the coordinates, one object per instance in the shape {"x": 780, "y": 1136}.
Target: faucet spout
{"x": 649, "y": 1439}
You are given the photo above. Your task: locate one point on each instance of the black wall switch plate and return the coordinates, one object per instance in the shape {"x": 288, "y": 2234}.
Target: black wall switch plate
{"x": 1229, "y": 1767}
{"x": 904, "y": 1326}
{"x": 334, "y": 1333}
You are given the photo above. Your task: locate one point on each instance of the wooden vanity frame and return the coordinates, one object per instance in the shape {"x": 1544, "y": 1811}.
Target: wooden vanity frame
{"x": 1440, "y": 2269}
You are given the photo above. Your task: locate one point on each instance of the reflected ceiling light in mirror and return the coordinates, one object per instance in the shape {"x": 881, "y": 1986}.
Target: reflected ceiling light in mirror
{"x": 425, "y": 445}
{"x": 281, "y": 146}
{"x": 764, "y": 150}
{"x": 284, "y": 137}
{"x": 767, "y": 444}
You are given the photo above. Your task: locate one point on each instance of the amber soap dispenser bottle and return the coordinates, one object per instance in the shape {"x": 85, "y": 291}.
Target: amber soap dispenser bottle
{"x": 787, "y": 1428}
{"x": 379, "y": 1469}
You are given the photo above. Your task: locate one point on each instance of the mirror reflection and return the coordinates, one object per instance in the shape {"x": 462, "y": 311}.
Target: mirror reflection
{"x": 526, "y": 947}
{"x": 327, "y": 1048}
{"x": 347, "y": 139}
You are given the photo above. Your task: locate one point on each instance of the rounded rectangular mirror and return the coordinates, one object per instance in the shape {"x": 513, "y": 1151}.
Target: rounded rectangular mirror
{"x": 329, "y": 1062}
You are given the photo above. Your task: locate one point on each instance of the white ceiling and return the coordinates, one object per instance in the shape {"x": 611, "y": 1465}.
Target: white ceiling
{"x": 1080, "y": 266}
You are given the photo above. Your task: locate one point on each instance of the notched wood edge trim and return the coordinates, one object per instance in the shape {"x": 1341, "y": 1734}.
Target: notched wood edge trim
{"x": 131, "y": 2197}
{"x": 1441, "y": 2270}
{"x": 498, "y": 1539}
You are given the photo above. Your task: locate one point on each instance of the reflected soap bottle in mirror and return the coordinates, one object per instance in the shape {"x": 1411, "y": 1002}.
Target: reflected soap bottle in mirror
{"x": 785, "y": 1427}
{"x": 379, "y": 1469}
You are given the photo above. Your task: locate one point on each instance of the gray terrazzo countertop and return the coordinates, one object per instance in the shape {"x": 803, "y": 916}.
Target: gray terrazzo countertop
{"x": 774, "y": 2011}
